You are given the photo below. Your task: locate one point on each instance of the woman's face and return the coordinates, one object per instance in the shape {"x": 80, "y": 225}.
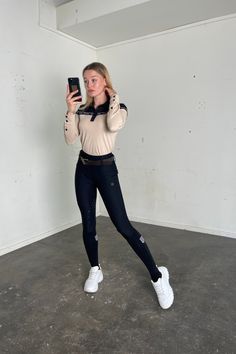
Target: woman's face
{"x": 94, "y": 83}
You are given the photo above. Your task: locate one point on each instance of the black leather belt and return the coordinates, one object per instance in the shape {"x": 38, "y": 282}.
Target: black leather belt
{"x": 107, "y": 161}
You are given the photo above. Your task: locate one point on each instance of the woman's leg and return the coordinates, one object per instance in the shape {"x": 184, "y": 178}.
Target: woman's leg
{"x": 86, "y": 194}
{"x": 109, "y": 188}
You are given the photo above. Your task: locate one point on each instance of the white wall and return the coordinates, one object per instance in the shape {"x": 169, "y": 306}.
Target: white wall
{"x": 176, "y": 155}
{"x": 36, "y": 166}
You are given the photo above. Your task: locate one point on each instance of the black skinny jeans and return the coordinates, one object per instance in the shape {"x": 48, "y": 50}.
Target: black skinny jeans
{"x": 89, "y": 178}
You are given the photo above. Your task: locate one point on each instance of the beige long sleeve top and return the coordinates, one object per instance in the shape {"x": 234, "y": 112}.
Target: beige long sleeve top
{"x": 96, "y": 127}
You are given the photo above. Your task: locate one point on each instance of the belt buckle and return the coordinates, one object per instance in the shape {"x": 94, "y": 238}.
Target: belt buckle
{"x": 84, "y": 160}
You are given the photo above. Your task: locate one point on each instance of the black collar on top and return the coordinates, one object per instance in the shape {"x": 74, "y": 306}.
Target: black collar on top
{"x": 91, "y": 110}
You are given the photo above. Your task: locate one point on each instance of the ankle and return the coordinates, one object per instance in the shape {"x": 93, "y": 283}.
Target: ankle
{"x": 156, "y": 276}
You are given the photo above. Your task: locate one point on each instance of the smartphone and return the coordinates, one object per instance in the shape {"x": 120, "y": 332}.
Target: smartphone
{"x": 75, "y": 85}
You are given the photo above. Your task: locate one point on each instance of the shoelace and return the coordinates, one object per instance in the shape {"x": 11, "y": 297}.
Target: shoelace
{"x": 92, "y": 273}
{"x": 160, "y": 289}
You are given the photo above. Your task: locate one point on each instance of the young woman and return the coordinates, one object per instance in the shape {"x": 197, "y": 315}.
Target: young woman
{"x": 97, "y": 123}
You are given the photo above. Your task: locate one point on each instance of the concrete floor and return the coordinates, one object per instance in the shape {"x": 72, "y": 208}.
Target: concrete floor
{"x": 43, "y": 308}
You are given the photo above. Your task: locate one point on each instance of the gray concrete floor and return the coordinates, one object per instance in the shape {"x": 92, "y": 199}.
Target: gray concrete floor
{"x": 43, "y": 308}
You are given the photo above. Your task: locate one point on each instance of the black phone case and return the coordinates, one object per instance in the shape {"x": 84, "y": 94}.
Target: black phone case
{"x": 75, "y": 85}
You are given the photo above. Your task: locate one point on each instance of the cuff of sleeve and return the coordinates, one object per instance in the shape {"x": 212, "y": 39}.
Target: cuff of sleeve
{"x": 114, "y": 101}
{"x": 69, "y": 115}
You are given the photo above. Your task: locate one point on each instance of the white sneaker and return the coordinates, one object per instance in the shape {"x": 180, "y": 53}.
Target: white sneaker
{"x": 95, "y": 277}
{"x": 163, "y": 289}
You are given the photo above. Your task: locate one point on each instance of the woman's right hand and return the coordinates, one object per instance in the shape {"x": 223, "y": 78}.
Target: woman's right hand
{"x": 72, "y": 102}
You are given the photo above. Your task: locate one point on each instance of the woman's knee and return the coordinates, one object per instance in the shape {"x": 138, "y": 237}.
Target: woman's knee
{"x": 90, "y": 237}
{"x": 124, "y": 228}
{"x": 89, "y": 223}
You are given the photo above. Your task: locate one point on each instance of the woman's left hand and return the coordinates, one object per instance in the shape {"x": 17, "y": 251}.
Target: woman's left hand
{"x": 110, "y": 91}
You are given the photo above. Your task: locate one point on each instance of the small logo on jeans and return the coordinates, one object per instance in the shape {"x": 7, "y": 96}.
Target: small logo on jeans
{"x": 142, "y": 239}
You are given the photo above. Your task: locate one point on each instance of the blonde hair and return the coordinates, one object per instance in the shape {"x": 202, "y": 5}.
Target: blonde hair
{"x": 102, "y": 70}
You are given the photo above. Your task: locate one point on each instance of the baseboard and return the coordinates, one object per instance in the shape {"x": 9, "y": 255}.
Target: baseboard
{"x": 28, "y": 240}
{"x": 203, "y": 230}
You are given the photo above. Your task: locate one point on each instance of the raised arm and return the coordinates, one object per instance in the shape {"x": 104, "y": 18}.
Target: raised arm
{"x": 71, "y": 128}
{"x": 117, "y": 114}
{"x": 71, "y": 124}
